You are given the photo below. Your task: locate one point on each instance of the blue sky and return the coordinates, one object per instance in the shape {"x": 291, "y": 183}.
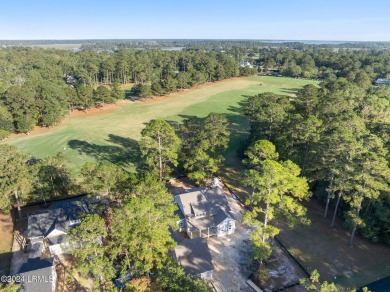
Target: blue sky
{"x": 196, "y": 19}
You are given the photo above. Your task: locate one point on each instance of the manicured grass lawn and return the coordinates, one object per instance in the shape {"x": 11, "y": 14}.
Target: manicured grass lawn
{"x": 113, "y": 133}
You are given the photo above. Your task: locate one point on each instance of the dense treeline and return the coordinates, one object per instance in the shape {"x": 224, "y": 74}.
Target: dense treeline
{"x": 359, "y": 66}
{"x": 180, "y": 43}
{"x": 338, "y": 134}
{"x": 39, "y": 87}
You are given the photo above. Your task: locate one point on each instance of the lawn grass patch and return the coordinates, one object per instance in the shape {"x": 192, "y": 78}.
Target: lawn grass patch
{"x": 127, "y": 89}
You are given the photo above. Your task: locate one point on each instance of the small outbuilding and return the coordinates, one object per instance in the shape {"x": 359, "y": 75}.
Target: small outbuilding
{"x": 381, "y": 81}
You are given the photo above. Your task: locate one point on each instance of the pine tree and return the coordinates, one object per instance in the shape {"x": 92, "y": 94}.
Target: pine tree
{"x": 91, "y": 252}
{"x": 278, "y": 189}
{"x": 160, "y": 147}
{"x": 204, "y": 141}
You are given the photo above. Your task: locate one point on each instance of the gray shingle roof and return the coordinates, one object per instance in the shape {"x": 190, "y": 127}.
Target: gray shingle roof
{"x": 41, "y": 225}
{"x": 192, "y": 203}
{"x": 37, "y": 275}
{"x": 217, "y": 198}
{"x": 56, "y": 239}
{"x": 202, "y": 223}
{"x": 201, "y": 200}
{"x": 194, "y": 256}
{"x": 208, "y": 222}
{"x": 220, "y": 217}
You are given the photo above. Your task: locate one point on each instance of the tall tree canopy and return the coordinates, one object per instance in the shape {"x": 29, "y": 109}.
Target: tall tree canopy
{"x": 204, "y": 142}
{"x": 277, "y": 191}
{"x": 160, "y": 147}
{"x": 15, "y": 177}
{"x": 92, "y": 255}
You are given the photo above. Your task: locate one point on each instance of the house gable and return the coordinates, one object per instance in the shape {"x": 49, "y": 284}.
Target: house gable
{"x": 55, "y": 232}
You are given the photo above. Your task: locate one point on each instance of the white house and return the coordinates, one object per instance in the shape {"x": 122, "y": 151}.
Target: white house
{"x": 381, "y": 81}
{"x": 49, "y": 229}
{"x": 204, "y": 212}
{"x": 245, "y": 63}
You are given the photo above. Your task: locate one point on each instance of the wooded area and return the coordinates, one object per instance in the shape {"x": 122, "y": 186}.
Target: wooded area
{"x": 39, "y": 87}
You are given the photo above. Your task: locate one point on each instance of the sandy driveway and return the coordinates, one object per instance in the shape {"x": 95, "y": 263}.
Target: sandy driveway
{"x": 230, "y": 256}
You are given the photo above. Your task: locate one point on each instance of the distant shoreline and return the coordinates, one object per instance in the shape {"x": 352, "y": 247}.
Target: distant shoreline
{"x": 81, "y": 41}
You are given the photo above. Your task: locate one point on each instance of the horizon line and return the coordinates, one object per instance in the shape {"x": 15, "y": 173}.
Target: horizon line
{"x": 194, "y": 39}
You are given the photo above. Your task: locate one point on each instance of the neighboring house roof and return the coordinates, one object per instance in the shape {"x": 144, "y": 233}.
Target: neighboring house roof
{"x": 194, "y": 256}
{"x": 381, "y": 81}
{"x": 245, "y": 63}
{"x": 37, "y": 275}
{"x": 56, "y": 221}
{"x": 36, "y": 264}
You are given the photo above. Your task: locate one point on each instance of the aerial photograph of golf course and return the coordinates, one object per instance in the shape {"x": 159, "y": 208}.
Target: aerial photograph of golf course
{"x": 195, "y": 146}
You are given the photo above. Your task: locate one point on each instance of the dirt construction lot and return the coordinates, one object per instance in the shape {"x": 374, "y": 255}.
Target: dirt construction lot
{"x": 6, "y": 229}
{"x": 318, "y": 246}
{"x": 230, "y": 256}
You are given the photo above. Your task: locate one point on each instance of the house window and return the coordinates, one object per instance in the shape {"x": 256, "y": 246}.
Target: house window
{"x": 230, "y": 226}
{"x": 74, "y": 222}
{"x": 181, "y": 224}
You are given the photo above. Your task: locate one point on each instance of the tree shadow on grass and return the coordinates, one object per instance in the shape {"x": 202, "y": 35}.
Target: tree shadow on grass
{"x": 119, "y": 150}
{"x": 290, "y": 91}
{"x": 238, "y": 127}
